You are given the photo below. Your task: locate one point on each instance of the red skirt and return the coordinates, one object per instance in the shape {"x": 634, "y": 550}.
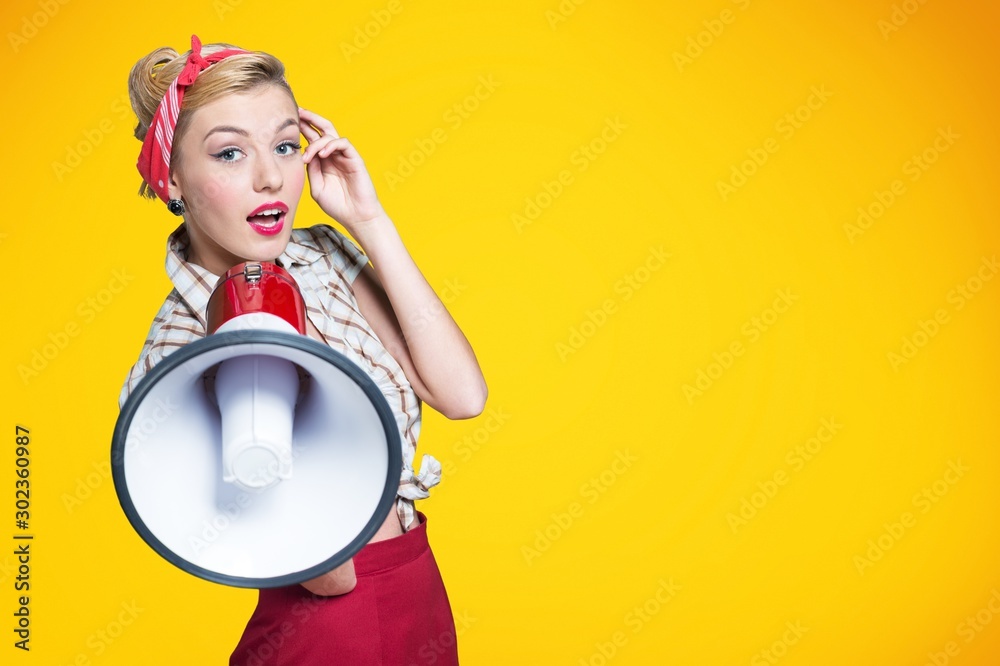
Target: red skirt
{"x": 397, "y": 615}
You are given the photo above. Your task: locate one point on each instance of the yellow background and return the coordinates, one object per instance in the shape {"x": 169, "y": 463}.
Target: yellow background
{"x": 553, "y": 552}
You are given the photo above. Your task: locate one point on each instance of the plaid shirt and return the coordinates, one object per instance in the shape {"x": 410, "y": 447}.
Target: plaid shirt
{"x": 324, "y": 263}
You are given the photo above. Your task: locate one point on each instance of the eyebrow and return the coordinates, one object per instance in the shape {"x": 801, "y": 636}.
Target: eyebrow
{"x": 242, "y": 132}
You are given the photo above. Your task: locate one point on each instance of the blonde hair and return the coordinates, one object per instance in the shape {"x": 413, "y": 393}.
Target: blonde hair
{"x": 151, "y": 76}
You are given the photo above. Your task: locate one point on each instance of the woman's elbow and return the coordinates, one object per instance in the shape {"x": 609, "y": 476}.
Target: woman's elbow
{"x": 469, "y": 404}
{"x": 477, "y": 402}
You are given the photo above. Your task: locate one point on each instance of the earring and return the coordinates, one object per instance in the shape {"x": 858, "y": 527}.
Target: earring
{"x": 176, "y": 206}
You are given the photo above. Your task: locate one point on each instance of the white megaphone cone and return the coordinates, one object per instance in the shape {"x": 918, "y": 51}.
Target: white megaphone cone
{"x": 256, "y": 456}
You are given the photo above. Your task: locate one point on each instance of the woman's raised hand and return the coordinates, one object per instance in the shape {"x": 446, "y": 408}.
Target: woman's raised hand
{"x": 338, "y": 179}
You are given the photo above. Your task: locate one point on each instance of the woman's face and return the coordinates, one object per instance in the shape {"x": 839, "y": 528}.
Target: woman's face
{"x": 238, "y": 168}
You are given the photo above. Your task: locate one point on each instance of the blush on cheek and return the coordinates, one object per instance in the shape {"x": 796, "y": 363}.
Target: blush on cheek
{"x": 214, "y": 190}
{"x": 229, "y": 192}
{"x": 297, "y": 180}
{"x": 294, "y": 185}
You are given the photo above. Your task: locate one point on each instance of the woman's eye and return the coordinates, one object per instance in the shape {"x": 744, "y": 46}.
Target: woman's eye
{"x": 228, "y": 155}
{"x": 288, "y": 148}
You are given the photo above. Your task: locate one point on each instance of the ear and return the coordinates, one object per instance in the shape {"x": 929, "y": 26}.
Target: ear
{"x": 173, "y": 189}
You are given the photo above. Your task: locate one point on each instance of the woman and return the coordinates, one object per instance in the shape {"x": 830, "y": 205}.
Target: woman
{"x": 220, "y": 130}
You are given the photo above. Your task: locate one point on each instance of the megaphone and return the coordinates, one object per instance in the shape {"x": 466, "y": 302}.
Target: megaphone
{"x": 256, "y": 456}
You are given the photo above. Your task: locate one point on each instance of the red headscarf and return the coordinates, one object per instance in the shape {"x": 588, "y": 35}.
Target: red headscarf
{"x": 154, "y": 158}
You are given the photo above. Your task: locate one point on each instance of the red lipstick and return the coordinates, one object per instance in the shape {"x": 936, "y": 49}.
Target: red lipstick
{"x": 268, "y": 219}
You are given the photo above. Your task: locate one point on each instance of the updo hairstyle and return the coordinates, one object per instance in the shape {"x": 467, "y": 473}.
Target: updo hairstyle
{"x": 151, "y": 76}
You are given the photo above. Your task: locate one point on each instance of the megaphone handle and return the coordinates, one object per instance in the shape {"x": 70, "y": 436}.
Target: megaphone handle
{"x": 256, "y": 397}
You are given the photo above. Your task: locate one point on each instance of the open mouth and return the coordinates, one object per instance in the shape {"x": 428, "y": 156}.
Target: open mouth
{"x": 268, "y": 219}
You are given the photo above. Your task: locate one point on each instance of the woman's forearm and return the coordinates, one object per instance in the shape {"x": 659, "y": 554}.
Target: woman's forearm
{"x": 440, "y": 352}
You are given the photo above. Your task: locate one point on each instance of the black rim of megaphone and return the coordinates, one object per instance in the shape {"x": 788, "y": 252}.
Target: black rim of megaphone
{"x": 303, "y": 343}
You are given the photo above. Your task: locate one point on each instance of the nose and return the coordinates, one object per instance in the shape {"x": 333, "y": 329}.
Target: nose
{"x": 267, "y": 174}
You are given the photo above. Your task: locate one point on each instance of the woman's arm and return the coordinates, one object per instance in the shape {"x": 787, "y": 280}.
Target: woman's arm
{"x": 399, "y": 304}
{"x": 339, "y": 581}
{"x": 414, "y": 325}
{"x": 343, "y": 579}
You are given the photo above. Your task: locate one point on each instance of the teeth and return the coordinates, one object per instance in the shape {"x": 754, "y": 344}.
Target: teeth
{"x": 269, "y": 211}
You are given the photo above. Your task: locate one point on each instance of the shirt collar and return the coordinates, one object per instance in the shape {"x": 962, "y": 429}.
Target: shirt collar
{"x": 300, "y": 252}
{"x": 194, "y": 284}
